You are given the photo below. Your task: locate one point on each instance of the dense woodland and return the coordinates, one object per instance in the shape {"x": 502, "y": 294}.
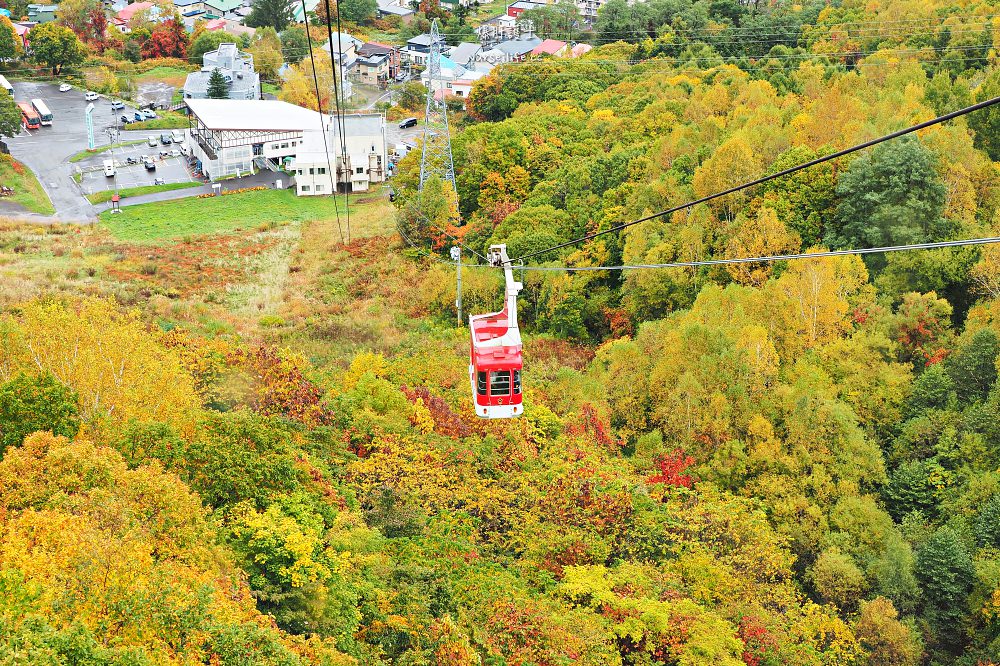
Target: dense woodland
{"x": 762, "y": 464}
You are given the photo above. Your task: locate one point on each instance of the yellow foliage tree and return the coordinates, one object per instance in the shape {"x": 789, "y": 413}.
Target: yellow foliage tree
{"x": 759, "y": 236}
{"x": 119, "y": 368}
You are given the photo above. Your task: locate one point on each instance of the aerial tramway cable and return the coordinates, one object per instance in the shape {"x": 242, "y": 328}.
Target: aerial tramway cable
{"x": 769, "y": 177}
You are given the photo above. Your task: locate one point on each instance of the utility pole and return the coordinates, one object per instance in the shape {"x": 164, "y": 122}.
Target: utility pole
{"x": 456, "y": 254}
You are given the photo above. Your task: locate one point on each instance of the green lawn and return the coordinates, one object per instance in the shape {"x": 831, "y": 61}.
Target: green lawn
{"x": 102, "y": 197}
{"x": 84, "y": 154}
{"x": 167, "y": 120}
{"x": 27, "y": 190}
{"x": 173, "y": 220}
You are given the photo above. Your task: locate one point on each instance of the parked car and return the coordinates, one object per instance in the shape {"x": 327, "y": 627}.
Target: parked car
{"x": 148, "y": 114}
{"x": 125, "y": 120}
{"x": 177, "y": 135}
{"x": 65, "y": 87}
{"x": 166, "y": 139}
{"x": 400, "y": 77}
{"x": 149, "y": 164}
{"x": 409, "y": 122}
{"x": 175, "y": 153}
{"x": 117, "y": 104}
{"x": 139, "y": 117}
{"x": 90, "y": 96}
{"x": 151, "y": 142}
{"x": 109, "y": 168}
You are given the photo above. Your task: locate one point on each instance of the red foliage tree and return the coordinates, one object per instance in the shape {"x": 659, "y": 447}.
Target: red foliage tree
{"x": 758, "y": 642}
{"x": 672, "y": 470}
{"x": 168, "y": 40}
{"x": 97, "y": 21}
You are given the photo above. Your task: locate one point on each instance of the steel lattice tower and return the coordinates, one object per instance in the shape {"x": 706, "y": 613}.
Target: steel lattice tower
{"x": 435, "y": 158}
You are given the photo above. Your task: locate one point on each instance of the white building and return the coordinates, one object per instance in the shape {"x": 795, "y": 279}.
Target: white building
{"x": 244, "y": 136}
{"x": 365, "y": 163}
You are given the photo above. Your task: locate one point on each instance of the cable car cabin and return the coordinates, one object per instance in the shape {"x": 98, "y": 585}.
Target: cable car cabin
{"x": 495, "y": 352}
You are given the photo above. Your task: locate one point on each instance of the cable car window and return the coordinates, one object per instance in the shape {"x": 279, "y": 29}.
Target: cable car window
{"x": 481, "y": 383}
{"x": 500, "y": 382}
{"x": 517, "y": 382}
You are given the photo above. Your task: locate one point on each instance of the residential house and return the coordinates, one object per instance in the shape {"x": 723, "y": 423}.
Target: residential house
{"x": 123, "y": 20}
{"x": 42, "y": 13}
{"x": 374, "y": 48}
{"x": 580, "y": 49}
{"x": 551, "y": 47}
{"x": 501, "y": 28}
{"x": 516, "y": 50}
{"x": 190, "y": 17}
{"x": 388, "y": 8}
{"x": 451, "y": 73}
{"x": 215, "y": 24}
{"x": 522, "y": 6}
{"x": 465, "y": 53}
{"x": 222, "y": 8}
{"x": 310, "y": 6}
{"x": 588, "y": 9}
{"x": 418, "y": 49}
{"x": 236, "y": 67}
{"x": 364, "y": 145}
{"x": 22, "y": 29}
{"x": 189, "y": 5}
{"x": 373, "y": 70}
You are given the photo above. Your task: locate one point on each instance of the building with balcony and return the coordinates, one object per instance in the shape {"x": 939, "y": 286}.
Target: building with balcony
{"x": 236, "y": 67}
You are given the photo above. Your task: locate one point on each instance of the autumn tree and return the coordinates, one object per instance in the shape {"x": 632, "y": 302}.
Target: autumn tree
{"x": 300, "y": 88}
{"x": 56, "y": 47}
{"x": 79, "y": 15}
{"x": 760, "y": 235}
{"x": 266, "y": 52}
{"x": 10, "y": 43}
{"x": 168, "y": 39}
{"x": 887, "y": 640}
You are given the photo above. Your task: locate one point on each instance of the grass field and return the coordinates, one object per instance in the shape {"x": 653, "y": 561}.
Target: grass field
{"x": 27, "y": 190}
{"x": 102, "y": 197}
{"x": 155, "y": 222}
{"x": 167, "y": 120}
{"x": 84, "y": 154}
{"x": 173, "y": 76}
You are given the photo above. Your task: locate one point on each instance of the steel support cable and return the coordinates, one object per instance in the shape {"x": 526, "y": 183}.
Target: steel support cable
{"x": 769, "y": 177}
{"x": 319, "y": 106}
{"x": 342, "y": 128}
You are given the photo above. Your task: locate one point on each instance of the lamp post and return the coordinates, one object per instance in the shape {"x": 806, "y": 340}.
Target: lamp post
{"x": 456, "y": 256}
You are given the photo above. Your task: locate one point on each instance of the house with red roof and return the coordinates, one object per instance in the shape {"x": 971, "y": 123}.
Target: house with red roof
{"x": 552, "y": 47}
{"x": 123, "y": 18}
{"x": 215, "y": 24}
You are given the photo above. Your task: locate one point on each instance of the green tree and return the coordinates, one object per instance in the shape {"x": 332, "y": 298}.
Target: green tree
{"x": 358, "y": 11}
{"x": 946, "y": 574}
{"x": 10, "y": 116}
{"x": 217, "y": 86}
{"x": 29, "y": 404}
{"x": 411, "y": 96}
{"x": 988, "y": 523}
{"x": 973, "y": 366}
{"x": 986, "y": 122}
{"x": 274, "y": 13}
{"x": 891, "y": 197}
{"x": 294, "y": 44}
{"x": 56, "y": 47}
{"x": 910, "y": 489}
{"x": 205, "y": 42}
{"x": 838, "y": 579}
{"x": 932, "y": 389}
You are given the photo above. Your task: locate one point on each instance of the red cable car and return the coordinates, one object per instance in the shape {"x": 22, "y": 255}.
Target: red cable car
{"x": 495, "y": 353}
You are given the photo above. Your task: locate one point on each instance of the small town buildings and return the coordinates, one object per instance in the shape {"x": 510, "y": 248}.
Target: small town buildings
{"x": 42, "y": 13}
{"x": 366, "y": 161}
{"x": 373, "y": 69}
{"x": 450, "y": 73}
{"x": 465, "y": 53}
{"x": 236, "y": 67}
{"x": 417, "y": 49}
{"x": 502, "y": 28}
{"x": 516, "y": 9}
{"x": 516, "y": 50}
{"x": 231, "y": 137}
{"x": 369, "y": 49}
{"x": 551, "y": 47}
{"x": 386, "y": 8}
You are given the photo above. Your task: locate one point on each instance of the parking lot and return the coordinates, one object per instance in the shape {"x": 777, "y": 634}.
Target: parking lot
{"x": 169, "y": 168}
{"x": 46, "y": 150}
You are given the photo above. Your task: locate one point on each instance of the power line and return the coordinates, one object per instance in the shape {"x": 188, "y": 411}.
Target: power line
{"x": 322, "y": 125}
{"x": 337, "y": 95}
{"x": 779, "y": 174}
{"x": 776, "y": 257}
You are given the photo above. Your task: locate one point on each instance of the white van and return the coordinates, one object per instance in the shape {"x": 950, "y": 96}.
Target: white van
{"x": 109, "y": 168}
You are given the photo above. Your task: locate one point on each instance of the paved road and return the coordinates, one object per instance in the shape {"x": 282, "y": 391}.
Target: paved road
{"x": 46, "y": 150}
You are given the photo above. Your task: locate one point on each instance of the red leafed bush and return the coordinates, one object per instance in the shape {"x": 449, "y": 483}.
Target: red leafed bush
{"x": 446, "y": 422}
{"x": 672, "y": 470}
{"x": 590, "y": 424}
{"x": 758, "y": 642}
{"x": 282, "y": 387}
